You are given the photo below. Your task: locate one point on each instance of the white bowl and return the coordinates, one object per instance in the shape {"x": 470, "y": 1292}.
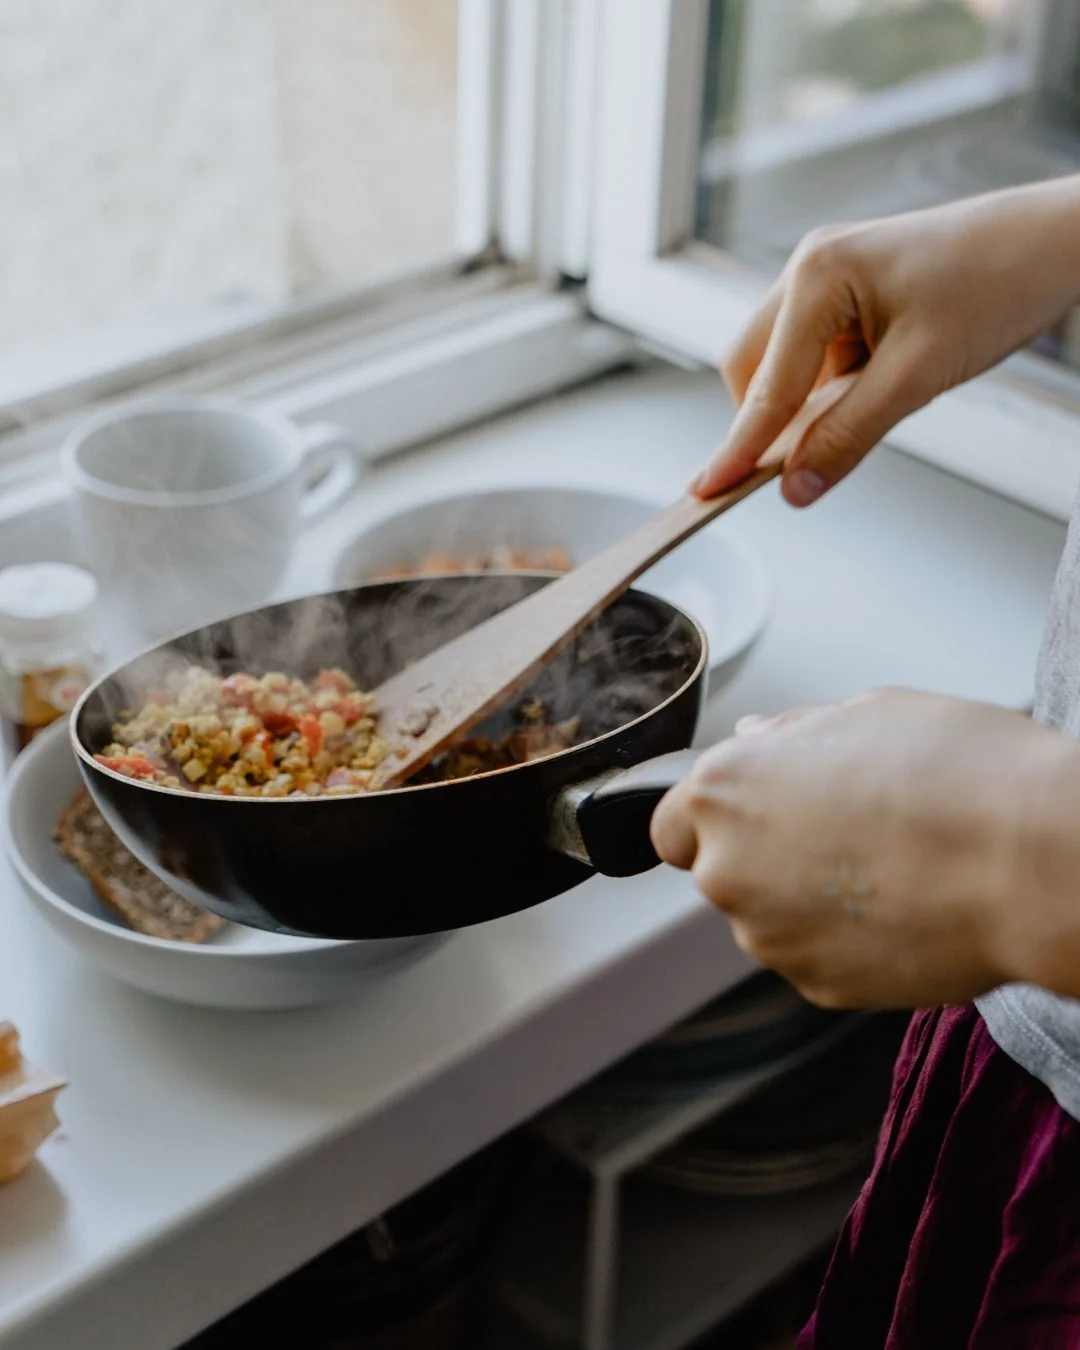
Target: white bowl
{"x": 713, "y": 576}
{"x": 238, "y": 968}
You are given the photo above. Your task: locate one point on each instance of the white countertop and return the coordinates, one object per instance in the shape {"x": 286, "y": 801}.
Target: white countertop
{"x": 203, "y": 1155}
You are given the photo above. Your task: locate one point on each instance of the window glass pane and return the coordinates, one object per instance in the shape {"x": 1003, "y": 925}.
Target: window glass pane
{"x": 158, "y": 157}
{"x": 807, "y": 60}
{"x": 824, "y": 110}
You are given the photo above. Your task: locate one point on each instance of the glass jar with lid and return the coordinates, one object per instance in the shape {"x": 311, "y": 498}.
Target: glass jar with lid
{"x": 48, "y": 647}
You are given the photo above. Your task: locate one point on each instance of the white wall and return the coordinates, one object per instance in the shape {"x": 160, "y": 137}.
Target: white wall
{"x": 158, "y": 154}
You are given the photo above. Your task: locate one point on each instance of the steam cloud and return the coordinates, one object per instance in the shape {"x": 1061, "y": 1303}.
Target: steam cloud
{"x": 621, "y": 667}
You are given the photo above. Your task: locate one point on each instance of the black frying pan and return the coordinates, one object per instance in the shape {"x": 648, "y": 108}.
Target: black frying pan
{"x": 421, "y": 859}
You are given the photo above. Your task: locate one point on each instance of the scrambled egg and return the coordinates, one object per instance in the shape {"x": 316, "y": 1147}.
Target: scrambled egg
{"x": 248, "y": 737}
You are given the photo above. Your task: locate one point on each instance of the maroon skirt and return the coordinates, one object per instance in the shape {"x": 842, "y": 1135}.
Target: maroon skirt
{"x": 967, "y": 1233}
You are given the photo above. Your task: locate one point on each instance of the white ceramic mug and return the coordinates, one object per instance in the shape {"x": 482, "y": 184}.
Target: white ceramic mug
{"x": 187, "y": 510}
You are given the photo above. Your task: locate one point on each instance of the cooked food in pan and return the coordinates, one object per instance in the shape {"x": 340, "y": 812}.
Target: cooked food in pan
{"x": 246, "y": 737}
{"x": 533, "y": 739}
{"x": 278, "y": 736}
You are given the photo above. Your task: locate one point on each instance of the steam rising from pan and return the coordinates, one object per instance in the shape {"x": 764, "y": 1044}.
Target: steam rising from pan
{"x": 620, "y": 668}
{"x": 608, "y": 678}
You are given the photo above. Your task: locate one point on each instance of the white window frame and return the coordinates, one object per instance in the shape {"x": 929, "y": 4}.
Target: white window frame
{"x": 1016, "y": 430}
{"x": 401, "y": 361}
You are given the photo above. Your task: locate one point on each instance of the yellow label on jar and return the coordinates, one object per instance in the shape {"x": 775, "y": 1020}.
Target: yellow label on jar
{"x": 31, "y": 701}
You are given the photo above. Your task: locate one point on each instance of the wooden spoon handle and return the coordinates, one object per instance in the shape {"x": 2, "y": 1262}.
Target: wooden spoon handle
{"x": 441, "y": 696}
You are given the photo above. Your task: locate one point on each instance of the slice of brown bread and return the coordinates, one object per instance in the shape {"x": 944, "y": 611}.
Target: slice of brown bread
{"x": 132, "y": 892}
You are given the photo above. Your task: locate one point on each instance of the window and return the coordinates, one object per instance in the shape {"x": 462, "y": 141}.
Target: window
{"x": 333, "y": 207}
{"x": 846, "y": 109}
{"x": 839, "y": 109}
{"x": 728, "y": 128}
{"x": 366, "y": 209}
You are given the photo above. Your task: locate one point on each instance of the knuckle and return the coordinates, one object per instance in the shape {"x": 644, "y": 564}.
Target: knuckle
{"x": 732, "y": 364}
{"x": 712, "y": 766}
{"x": 695, "y": 795}
{"x": 771, "y": 394}
{"x": 836, "y": 441}
{"x": 714, "y": 788}
{"x": 715, "y": 881}
{"x": 820, "y": 252}
{"x": 671, "y": 805}
{"x": 755, "y": 723}
{"x": 700, "y": 804}
{"x": 915, "y": 363}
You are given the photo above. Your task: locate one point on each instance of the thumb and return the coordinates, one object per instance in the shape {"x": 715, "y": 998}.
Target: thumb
{"x": 891, "y": 385}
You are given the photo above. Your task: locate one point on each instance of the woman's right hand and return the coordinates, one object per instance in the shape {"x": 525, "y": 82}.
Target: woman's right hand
{"x": 916, "y": 304}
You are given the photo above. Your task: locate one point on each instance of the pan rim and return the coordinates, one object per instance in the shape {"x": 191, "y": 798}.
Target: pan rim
{"x": 84, "y": 756}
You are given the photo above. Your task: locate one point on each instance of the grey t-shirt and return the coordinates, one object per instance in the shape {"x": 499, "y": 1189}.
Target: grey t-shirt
{"x": 1041, "y": 1031}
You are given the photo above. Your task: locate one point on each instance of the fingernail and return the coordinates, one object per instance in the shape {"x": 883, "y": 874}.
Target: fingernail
{"x": 699, "y": 483}
{"x": 803, "y": 487}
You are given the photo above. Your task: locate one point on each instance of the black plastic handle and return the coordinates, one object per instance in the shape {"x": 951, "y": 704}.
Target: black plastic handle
{"x": 605, "y": 822}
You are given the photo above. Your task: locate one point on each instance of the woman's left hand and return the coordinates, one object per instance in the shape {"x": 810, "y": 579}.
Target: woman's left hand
{"x": 875, "y": 853}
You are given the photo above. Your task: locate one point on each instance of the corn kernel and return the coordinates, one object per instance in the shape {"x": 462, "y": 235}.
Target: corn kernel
{"x": 332, "y": 723}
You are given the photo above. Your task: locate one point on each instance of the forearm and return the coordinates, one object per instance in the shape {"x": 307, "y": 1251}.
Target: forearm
{"x": 1038, "y": 911}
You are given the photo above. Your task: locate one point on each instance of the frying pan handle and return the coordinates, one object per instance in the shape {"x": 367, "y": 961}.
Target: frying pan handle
{"x": 604, "y": 822}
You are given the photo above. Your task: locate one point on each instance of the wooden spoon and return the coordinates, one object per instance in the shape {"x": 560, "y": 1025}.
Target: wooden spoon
{"x": 431, "y": 703}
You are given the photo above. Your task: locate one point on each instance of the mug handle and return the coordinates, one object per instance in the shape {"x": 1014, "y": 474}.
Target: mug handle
{"x": 331, "y": 467}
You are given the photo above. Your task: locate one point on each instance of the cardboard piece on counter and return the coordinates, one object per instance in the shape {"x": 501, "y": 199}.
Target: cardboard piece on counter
{"x": 27, "y": 1106}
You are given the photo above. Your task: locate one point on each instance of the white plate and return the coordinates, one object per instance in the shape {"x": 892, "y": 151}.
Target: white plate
{"x": 728, "y": 1174}
{"x": 714, "y": 576}
{"x": 238, "y": 968}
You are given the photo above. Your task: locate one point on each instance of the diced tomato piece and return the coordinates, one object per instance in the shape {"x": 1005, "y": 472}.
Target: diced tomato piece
{"x": 238, "y": 690}
{"x": 131, "y": 766}
{"x": 278, "y": 723}
{"x": 335, "y": 680}
{"x": 350, "y": 710}
{"x": 312, "y": 733}
{"x": 262, "y": 739}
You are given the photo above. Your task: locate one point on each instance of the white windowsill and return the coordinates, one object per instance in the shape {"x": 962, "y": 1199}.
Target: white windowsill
{"x": 394, "y": 378}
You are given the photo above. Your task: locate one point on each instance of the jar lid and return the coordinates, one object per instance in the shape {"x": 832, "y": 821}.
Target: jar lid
{"x": 42, "y": 601}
